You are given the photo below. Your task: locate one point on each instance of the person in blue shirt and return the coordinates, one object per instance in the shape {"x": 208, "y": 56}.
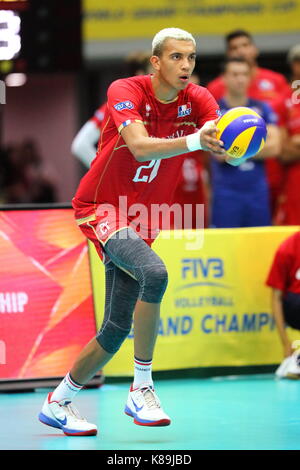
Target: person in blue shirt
{"x": 240, "y": 194}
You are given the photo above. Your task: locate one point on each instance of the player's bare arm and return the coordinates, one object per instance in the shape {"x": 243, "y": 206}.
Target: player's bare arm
{"x": 145, "y": 148}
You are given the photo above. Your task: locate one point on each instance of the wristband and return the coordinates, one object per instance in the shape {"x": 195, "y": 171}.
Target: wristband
{"x": 193, "y": 142}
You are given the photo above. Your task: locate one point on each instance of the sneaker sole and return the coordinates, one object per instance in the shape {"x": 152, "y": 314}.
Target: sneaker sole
{"x": 161, "y": 422}
{"x": 290, "y": 375}
{"x": 52, "y": 423}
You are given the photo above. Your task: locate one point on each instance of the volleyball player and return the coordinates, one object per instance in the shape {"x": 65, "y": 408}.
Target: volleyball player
{"x": 265, "y": 85}
{"x": 284, "y": 279}
{"x": 150, "y": 123}
{"x": 289, "y": 206}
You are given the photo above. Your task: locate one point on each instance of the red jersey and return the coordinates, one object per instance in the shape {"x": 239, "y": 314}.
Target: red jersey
{"x": 115, "y": 172}
{"x": 98, "y": 117}
{"x": 289, "y": 210}
{"x": 285, "y": 270}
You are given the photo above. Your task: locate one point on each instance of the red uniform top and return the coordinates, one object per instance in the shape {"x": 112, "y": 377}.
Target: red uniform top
{"x": 98, "y": 117}
{"x": 271, "y": 87}
{"x": 289, "y": 210}
{"x": 115, "y": 172}
{"x": 285, "y": 270}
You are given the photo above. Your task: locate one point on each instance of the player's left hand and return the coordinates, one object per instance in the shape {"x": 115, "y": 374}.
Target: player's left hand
{"x": 208, "y": 139}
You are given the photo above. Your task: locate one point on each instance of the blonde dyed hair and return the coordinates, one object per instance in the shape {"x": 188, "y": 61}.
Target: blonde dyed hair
{"x": 169, "y": 33}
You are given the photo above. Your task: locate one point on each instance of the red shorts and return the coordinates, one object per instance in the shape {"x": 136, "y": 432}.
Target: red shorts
{"x": 99, "y": 223}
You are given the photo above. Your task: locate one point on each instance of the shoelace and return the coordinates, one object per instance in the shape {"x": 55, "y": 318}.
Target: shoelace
{"x": 71, "y": 410}
{"x": 150, "y": 398}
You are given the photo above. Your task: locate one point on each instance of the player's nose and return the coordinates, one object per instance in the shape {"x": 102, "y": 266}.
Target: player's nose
{"x": 185, "y": 65}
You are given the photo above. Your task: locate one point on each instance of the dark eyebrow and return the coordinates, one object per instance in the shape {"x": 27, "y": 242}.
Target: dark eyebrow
{"x": 180, "y": 53}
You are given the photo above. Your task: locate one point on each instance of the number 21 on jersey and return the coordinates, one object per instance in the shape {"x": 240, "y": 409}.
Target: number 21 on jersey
{"x": 143, "y": 173}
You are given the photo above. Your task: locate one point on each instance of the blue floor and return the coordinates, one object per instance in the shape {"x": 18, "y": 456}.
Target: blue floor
{"x": 245, "y": 412}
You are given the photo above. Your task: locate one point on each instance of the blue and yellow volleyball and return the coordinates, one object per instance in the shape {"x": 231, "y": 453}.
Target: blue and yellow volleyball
{"x": 243, "y": 132}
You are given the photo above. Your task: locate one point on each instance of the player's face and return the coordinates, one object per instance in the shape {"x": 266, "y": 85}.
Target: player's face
{"x": 242, "y": 47}
{"x": 237, "y": 78}
{"x": 176, "y": 63}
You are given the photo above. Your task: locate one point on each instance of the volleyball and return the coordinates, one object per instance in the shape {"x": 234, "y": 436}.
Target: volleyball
{"x": 243, "y": 132}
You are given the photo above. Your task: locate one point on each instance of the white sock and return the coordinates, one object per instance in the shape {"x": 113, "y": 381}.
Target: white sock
{"x": 142, "y": 372}
{"x": 66, "y": 390}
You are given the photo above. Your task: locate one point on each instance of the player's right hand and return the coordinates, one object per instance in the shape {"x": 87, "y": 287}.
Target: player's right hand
{"x": 208, "y": 139}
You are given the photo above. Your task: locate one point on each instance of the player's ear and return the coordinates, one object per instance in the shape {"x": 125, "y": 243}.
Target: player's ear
{"x": 155, "y": 62}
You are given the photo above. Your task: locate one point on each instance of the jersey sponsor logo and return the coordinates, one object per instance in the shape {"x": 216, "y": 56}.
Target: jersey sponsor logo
{"x": 124, "y": 105}
{"x": 184, "y": 110}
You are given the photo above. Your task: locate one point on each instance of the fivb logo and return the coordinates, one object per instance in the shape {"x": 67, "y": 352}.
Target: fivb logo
{"x": 200, "y": 267}
{"x": 2, "y": 352}
{"x": 2, "y": 92}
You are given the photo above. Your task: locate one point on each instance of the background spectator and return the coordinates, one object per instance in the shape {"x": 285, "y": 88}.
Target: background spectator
{"x": 289, "y": 206}
{"x": 26, "y": 180}
{"x": 240, "y": 195}
{"x": 266, "y": 85}
{"x": 284, "y": 278}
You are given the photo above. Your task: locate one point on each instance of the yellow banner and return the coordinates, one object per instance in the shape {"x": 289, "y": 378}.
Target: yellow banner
{"x": 216, "y": 310}
{"x": 136, "y": 19}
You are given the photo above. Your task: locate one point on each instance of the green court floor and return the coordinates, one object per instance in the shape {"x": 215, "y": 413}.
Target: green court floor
{"x": 244, "y": 412}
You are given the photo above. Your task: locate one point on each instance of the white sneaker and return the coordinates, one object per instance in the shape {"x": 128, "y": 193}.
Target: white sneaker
{"x": 144, "y": 406}
{"x": 282, "y": 369}
{"x": 289, "y": 368}
{"x": 64, "y": 416}
{"x": 293, "y": 369}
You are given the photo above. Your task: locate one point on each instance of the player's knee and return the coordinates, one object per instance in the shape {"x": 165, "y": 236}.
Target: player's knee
{"x": 110, "y": 337}
{"x": 155, "y": 283}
